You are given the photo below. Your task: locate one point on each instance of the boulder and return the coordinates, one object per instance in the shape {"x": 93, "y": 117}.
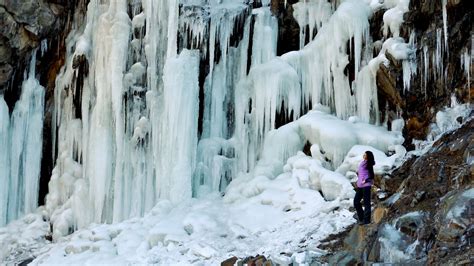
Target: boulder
{"x": 379, "y": 213}
{"x": 229, "y": 261}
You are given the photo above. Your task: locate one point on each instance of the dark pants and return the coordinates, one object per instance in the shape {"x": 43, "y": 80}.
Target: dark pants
{"x": 363, "y": 193}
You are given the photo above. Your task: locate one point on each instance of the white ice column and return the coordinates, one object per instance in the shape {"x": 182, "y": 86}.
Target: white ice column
{"x": 105, "y": 151}
{"x": 26, "y": 146}
{"x": 365, "y": 88}
{"x": 4, "y": 159}
{"x": 220, "y": 82}
{"x": 265, "y": 36}
{"x": 177, "y": 143}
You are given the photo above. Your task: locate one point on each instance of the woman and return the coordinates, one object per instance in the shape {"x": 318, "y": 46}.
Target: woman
{"x": 365, "y": 180}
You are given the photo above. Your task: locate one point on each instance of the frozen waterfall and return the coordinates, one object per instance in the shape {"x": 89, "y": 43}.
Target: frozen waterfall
{"x": 179, "y": 98}
{"x": 21, "y": 137}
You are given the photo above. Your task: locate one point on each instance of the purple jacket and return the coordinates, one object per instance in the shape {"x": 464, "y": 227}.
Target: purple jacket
{"x": 363, "y": 175}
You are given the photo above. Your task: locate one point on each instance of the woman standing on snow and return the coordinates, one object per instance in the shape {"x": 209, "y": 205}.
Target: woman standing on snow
{"x": 365, "y": 180}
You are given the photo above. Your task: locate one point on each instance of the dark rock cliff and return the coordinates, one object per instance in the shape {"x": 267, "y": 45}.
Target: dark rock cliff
{"x": 431, "y": 91}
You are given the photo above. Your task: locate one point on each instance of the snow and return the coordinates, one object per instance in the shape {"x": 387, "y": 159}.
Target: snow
{"x": 336, "y": 137}
{"x": 210, "y": 229}
{"x": 383, "y": 163}
{"x": 461, "y": 205}
{"x": 446, "y": 119}
{"x": 393, "y": 18}
{"x": 20, "y": 238}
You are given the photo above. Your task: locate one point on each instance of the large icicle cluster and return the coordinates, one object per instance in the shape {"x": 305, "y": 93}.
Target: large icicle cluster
{"x": 21, "y": 137}
{"x": 130, "y": 129}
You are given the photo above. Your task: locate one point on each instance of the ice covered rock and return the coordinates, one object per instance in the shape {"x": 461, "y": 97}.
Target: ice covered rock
{"x": 383, "y": 163}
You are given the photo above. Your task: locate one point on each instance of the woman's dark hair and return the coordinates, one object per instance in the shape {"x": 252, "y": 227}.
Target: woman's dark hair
{"x": 370, "y": 164}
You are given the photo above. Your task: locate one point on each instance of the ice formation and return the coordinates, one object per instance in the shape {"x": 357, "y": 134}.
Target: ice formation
{"x": 4, "y": 159}
{"x": 466, "y": 62}
{"x": 130, "y": 142}
{"x": 310, "y": 16}
{"x": 168, "y": 152}
{"x": 20, "y": 136}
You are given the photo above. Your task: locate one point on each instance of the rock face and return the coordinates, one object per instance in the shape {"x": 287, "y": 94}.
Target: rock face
{"x": 433, "y": 82}
{"x": 23, "y": 25}
{"x": 429, "y": 218}
{"x": 288, "y": 29}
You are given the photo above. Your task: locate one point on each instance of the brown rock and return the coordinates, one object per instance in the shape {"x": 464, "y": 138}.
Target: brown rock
{"x": 416, "y": 127}
{"x": 229, "y": 261}
{"x": 258, "y": 260}
{"x": 379, "y": 214}
{"x": 386, "y": 86}
{"x": 358, "y": 239}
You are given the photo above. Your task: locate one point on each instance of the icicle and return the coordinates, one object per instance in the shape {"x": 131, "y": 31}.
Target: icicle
{"x": 177, "y": 148}
{"x": 4, "y": 160}
{"x": 409, "y": 65}
{"x": 264, "y": 44}
{"x": 267, "y": 97}
{"x": 366, "y": 92}
{"x": 216, "y": 162}
{"x": 393, "y": 18}
{"x": 314, "y": 14}
{"x": 438, "y": 56}
{"x": 26, "y": 143}
{"x": 426, "y": 65}
{"x": 320, "y": 64}
{"x": 220, "y": 82}
{"x": 193, "y": 25}
{"x": 466, "y": 66}
{"x": 44, "y": 46}
{"x": 173, "y": 28}
{"x": 445, "y": 25}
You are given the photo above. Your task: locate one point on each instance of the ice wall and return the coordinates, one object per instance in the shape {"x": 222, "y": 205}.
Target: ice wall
{"x": 136, "y": 139}
{"x": 147, "y": 73}
{"x": 21, "y": 137}
{"x": 109, "y": 162}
